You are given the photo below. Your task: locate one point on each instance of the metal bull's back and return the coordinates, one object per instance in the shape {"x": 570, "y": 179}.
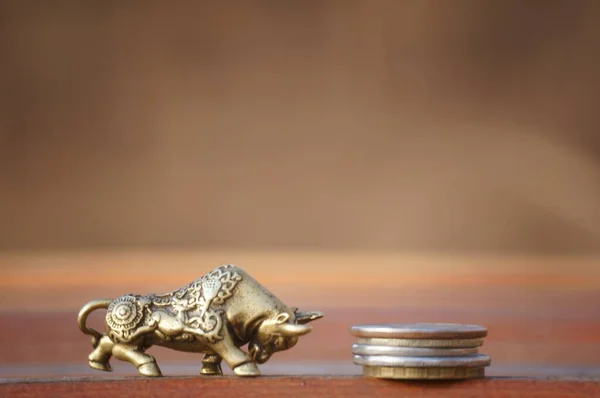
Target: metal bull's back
{"x": 215, "y": 314}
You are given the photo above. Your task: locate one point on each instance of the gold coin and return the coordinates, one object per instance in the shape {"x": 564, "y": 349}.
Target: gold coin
{"x": 409, "y": 373}
{"x": 423, "y": 343}
{"x": 420, "y": 331}
{"x": 365, "y": 349}
{"x": 471, "y": 361}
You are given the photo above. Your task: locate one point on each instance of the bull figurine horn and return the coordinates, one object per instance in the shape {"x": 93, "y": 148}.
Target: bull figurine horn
{"x": 309, "y": 316}
{"x": 291, "y": 330}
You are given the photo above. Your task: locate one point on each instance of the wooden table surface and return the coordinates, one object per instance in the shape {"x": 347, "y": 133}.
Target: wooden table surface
{"x": 305, "y": 386}
{"x": 543, "y": 314}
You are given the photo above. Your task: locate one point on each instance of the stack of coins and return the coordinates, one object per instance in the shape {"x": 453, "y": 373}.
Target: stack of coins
{"x": 420, "y": 350}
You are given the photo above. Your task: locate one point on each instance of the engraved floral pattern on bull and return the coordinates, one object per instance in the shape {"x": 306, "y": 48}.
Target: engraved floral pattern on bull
{"x": 196, "y": 306}
{"x": 124, "y": 315}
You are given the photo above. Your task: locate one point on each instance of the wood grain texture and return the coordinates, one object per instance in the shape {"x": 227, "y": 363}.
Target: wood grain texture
{"x": 316, "y": 386}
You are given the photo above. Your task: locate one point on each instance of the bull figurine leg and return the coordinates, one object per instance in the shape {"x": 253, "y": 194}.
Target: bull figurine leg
{"x": 145, "y": 363}
{"x": 99, "y": 358}
{"x": 211, "y": 365}
{"x": 237, "y": 359}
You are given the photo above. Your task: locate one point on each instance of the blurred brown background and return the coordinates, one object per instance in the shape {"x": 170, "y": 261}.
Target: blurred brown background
{"x": 411, "y": 125}
{"x": 383, "y": 161}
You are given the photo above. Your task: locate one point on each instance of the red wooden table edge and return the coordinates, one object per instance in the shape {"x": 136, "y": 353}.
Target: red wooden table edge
{"x": 315, "y": 386}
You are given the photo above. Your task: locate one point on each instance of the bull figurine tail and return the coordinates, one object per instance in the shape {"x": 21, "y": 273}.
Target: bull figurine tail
{"x": 82, "y": 318}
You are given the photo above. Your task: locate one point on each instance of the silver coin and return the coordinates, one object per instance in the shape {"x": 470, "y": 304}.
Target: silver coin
{"x": 472, "y": 361}
{"x": 364, "y": 349}
{"x": 407, "y": 373}
{"x": 423, "y": 343}
{"x": 420, "y": 331}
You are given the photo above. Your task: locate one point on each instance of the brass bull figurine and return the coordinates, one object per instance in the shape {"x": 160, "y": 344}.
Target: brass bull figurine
{"x": 214, "y": 315}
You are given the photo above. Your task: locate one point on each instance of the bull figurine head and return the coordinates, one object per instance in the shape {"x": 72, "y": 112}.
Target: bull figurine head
{"x": 280, "y": 334}
{"x": 214, "y": 315}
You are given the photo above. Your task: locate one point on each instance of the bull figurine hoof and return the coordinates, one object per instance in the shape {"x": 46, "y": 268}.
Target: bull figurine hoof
{"x": 247, "y": 369}
{"x": 150, "y": 369}
{"x": 214, "y": 315}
